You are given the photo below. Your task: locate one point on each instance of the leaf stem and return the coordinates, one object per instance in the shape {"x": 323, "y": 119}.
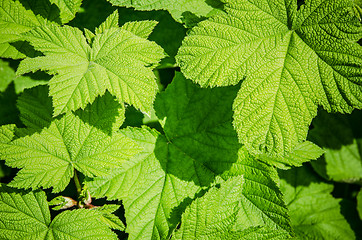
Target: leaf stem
{"x": 77, "y": 183}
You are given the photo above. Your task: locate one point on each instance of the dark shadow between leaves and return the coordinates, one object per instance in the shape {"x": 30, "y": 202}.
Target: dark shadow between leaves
{"x": 215, "y": 3}
{"x": 134, "y": 118}
{"x": 43, "y": 8}
{"x": 9, "y": 114}
{"x": 200, "y": 141}
{"x": 26, "y": 49}
{"x": 349, "y": 211}
{"x": 300, "y": 176}
{"x": 36, "y": 110}
{"x": 336, "y": 130}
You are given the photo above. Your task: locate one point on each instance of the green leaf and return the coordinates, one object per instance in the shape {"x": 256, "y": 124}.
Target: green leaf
{"x": 314, "y": 212}
{"x": 14, "y": 20}
{"x": 342, "y": 160}
{"x": 198, "y": 124}
{"x": 168, "y": 33}
{"x": 176, "y": 9}
{"x": 110, "y": 22}
{"x": 6, "y": 133}
{"x": 48, "y": 159}
{"x": 142, "y": 29}
{"x": 24, "y": 215}
{"x": 7, "y": 76}
{"x": 199, "y": 143}
{"x": 259, "y": 209}
{"x": 117, "y": 61}
{"x": 213, "y": 215}
{"x": 80, "y": 224}
{"x": 110, "y": 219}
{"x": 68, "y": 8}
{"x": 148, "y": 192}
{"x": 290, "y": 62}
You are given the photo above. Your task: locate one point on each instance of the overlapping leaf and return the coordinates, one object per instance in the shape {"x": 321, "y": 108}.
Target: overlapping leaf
{"x": 341, "y": 138}
{"x": 292, "y": 61}
{"x": 213, "y": 215}
{"x": 314, "y": 212}
{"x": 117, "y": 61}
{"x": 17, "y": 18}
{"x": 199, "y": 143}
{"x": 148, "y": 192}
{"x": 68, "y": 8}
{"x": 49, "y": 156}
{"x": 25, "y": 215}
{"x": 176, "y": 8}
{"x": 14, "y": 20}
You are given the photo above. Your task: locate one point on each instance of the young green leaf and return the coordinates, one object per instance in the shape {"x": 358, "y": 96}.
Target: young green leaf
{"x": 80, "y": 224}
{"x": 117, "y": 61}
{"x": 314, "y": 212}
{"x": 7, "y": 133}
{"x": 48, "y": 159}
{"x": 291, "y": 62}
{"x": 25, "y": 215}
{"x": 342, "y": 160}
{"x": 176, "y": 8}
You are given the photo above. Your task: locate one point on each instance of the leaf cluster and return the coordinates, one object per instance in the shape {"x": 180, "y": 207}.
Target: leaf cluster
{"x": 201, "y": 119}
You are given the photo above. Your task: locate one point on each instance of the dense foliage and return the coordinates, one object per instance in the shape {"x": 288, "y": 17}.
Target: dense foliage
{"x": 190, "y": 119}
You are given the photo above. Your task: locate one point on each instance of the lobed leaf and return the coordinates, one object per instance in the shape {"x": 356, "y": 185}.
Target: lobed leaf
{"x": 290, "y": 62}
{"x": 117, "y": 61}
{"x": 48, "y": 159}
